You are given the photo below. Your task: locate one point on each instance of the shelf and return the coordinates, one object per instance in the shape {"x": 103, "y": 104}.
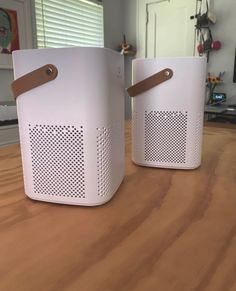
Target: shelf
{"x": 9, "y": 134}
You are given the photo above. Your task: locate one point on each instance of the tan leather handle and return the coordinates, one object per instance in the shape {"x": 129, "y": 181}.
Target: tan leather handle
{"x": 34, "y": 79}
{"x": 150, "y": 82}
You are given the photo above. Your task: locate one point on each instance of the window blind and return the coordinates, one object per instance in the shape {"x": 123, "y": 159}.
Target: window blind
{"x": 63, "y": 23}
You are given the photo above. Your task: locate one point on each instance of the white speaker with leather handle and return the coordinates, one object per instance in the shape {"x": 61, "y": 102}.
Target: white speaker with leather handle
{"x": 70, "y": 104}
{"x": 167, "y": 111}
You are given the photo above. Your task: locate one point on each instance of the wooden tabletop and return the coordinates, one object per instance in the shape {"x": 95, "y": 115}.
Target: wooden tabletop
{"x": 164, "y": 230}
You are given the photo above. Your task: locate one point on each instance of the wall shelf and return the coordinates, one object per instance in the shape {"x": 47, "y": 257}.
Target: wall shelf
{"x": 9, "y": 134}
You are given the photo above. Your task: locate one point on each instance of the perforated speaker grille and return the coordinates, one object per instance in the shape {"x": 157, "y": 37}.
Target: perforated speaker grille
{"x": 165, "y": 136}
{"x": 198, "y": 138}
{"x": 135, "y": 134}
{"x": 57, "y": 154}
{"x": 104, "y": 161}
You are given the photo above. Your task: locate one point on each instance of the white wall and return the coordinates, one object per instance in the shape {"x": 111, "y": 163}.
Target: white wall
{"x": 130, "y": 10}
{"x": 6, "y": 78}
{"x": 223, "y": 60}
{"x": 114, "y": 28}
{"x": 119, "y": 19}
{"x": 113, "y": 23}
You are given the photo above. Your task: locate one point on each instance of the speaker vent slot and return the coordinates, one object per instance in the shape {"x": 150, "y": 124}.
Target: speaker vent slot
{"x": 57, "y": 154}
{"x": 165, "y": 136}
{"x": 104, "y": 160}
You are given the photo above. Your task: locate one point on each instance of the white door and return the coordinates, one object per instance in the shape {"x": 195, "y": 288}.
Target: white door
{"x": 169, "y": 29}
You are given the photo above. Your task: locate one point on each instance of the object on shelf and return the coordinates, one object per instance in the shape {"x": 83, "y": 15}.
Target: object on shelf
{"x": 8, "y": 113}
{"x": 126, "y": 49}
{"x": 211, "y": 83}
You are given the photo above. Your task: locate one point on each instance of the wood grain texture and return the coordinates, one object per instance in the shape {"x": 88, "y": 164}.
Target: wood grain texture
{"x": 164, "y": 230}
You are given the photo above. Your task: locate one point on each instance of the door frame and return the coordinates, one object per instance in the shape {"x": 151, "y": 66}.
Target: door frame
{"x": 141, "y": 21}
{"x": 142, "y": 16}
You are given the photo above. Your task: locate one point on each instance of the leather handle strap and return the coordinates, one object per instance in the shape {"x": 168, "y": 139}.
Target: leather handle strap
{"x": 34, "y": 79}
{"x": 150, "y": 82}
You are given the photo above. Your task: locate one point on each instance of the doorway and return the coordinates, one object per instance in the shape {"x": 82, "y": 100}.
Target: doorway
{"x": 166, "y": 28}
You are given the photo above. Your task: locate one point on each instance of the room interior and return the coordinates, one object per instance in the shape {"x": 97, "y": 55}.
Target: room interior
{"x": 166, "y": 228}
{"x": 122, "y": 18}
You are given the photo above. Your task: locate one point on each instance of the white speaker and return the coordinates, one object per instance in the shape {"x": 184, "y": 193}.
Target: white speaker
{"x": 70, "y": 104}
{"x": 167, "y": 111}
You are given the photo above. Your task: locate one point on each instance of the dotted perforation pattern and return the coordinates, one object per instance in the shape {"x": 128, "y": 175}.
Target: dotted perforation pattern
{"x": 57, "y": 154}
{"x": 135, "y": 144}
{"x": 165, "y": 136}
{"x": 198, "y": 138}
{"x": 104, "y": 161}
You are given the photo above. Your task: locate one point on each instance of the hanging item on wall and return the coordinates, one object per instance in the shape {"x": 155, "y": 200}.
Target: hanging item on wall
{"x": 206, "y": 42}
{"x": 216, "y": 45}
{"x": 9, "y": 34}
{"x": 204, "y": 19}
{"x": 125, "y": 48}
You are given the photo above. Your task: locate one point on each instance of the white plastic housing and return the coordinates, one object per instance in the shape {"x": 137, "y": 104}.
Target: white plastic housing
{"x": 72, "y": 128}
{"x": 167, "y": 120}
